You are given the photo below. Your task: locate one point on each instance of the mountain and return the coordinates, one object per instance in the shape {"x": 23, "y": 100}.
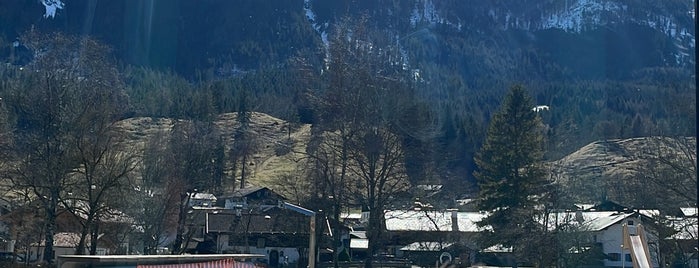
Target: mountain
{"x": 608, "y": 69}
{"x": 190, "y": 35}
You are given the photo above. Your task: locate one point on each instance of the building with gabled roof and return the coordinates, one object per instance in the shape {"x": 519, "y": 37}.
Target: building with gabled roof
{"x": 253, "y": 220}
{"x": 598, "y": 231}
{"x": 602, "y": 231}
{"x": 457, "y": 229}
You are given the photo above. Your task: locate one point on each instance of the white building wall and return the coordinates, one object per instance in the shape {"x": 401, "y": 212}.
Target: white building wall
{"x": 611, "y": 240}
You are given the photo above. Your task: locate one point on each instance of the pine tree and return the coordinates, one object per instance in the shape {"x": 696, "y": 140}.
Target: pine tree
{"x": 511, "y": 177}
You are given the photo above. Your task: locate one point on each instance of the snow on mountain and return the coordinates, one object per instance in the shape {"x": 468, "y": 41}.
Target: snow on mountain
{"x": 311, "y": 16}
{"x": 426, "y": 13}
{"x": 51, "y": 7}
{"x": 572, "y": 16}
{"x": 580, "y": 14}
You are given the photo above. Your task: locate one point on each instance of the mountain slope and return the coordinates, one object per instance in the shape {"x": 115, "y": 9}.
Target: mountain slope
{"x": 639, "y": 172}
{"x": 622, "y": 170}
{"x": 188, "y": 35}
{"x": 267, "y": 165}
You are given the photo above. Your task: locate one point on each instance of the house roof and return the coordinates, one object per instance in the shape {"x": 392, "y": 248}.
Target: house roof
{"x": 689, "y": 212}
{"x": 416, "y": 220}
{"x": 429, "y": 187}
{"x": 498, "y": 249}
{"x": 609, "y": 205}
{"x": 426, "y": 246}
{"x": 358, "y": 234}
{"x": 651, "y": 213}
{"x": 441, "y": 221}
{"x": 243, "y": 192}
{"x": 600, "y": 220}
{"x": 204, "y": 196}
{"x": 588, "y": 220}
{"x": 687, "y": 229}
{"x": 359, "y": 243}
{"x": 272, "y": 220}
{"x": 66, "y": 240}
{"x": 351, "y": 216}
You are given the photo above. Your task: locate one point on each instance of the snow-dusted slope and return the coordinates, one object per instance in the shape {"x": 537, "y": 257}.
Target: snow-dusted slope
{"x": 672, "y": 18}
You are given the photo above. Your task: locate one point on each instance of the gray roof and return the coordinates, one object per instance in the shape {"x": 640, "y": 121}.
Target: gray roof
{"x": 244, "y": 192}
{"x": 588, "y": 220}
{"x": 426, "y": 246}
{"x": 359, "y": 243}
{"x": 274, "y": 221}
{"x": 686, "y": 228}
{"x": 204, "y": 196}
{"x": 440, "y": 221}
{"x": 689, "y": 212}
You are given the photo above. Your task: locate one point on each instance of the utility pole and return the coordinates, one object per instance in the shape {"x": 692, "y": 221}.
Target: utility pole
{"x": 312, "y": 234}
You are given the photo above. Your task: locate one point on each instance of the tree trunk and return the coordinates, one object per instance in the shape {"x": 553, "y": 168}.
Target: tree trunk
{"x": 177, "y": 246}
{"x": 336, "y": 234}
{"x": 80, "y": 249}
{"x": 242, "y": 171}
{"x": 95, "y": 236}
{"x": 50, "y": 228}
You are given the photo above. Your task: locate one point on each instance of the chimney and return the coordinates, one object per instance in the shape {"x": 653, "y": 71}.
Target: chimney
{"x": 365, "y": 215}
{"x": 579, "y": 217}
{"x": 454, "y": 219}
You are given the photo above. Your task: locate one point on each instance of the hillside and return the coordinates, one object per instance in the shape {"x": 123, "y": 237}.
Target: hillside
{"x": 640, "y": 172}
{"x": 265, "y": 166}
{"x": 602, "y": 170}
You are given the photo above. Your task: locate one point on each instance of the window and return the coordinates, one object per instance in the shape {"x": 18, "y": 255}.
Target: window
{"x": 614, "y": 256}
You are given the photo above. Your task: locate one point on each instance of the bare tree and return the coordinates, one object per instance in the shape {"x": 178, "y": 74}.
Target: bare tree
{"x": 157, "y": 198}
{"x": 357, "y": 152}
{"x": 103, "y": 167}
{"x": 52, "y": 103}
{"x": 103, "y": 175}
{"x": 378, "y": 163}
{"x": 670, "y": 166}
{"x": 245, "y": 143}
{"x": 195, "y": 151}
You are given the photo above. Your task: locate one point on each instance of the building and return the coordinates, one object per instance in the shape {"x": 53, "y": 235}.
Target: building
{"x": 424, "y": 235}
{"x": 254, "y": 220}
{"x": 604, "y": 230}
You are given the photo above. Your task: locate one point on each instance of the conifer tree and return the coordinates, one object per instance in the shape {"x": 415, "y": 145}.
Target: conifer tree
{"x": 511, "y": 178}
